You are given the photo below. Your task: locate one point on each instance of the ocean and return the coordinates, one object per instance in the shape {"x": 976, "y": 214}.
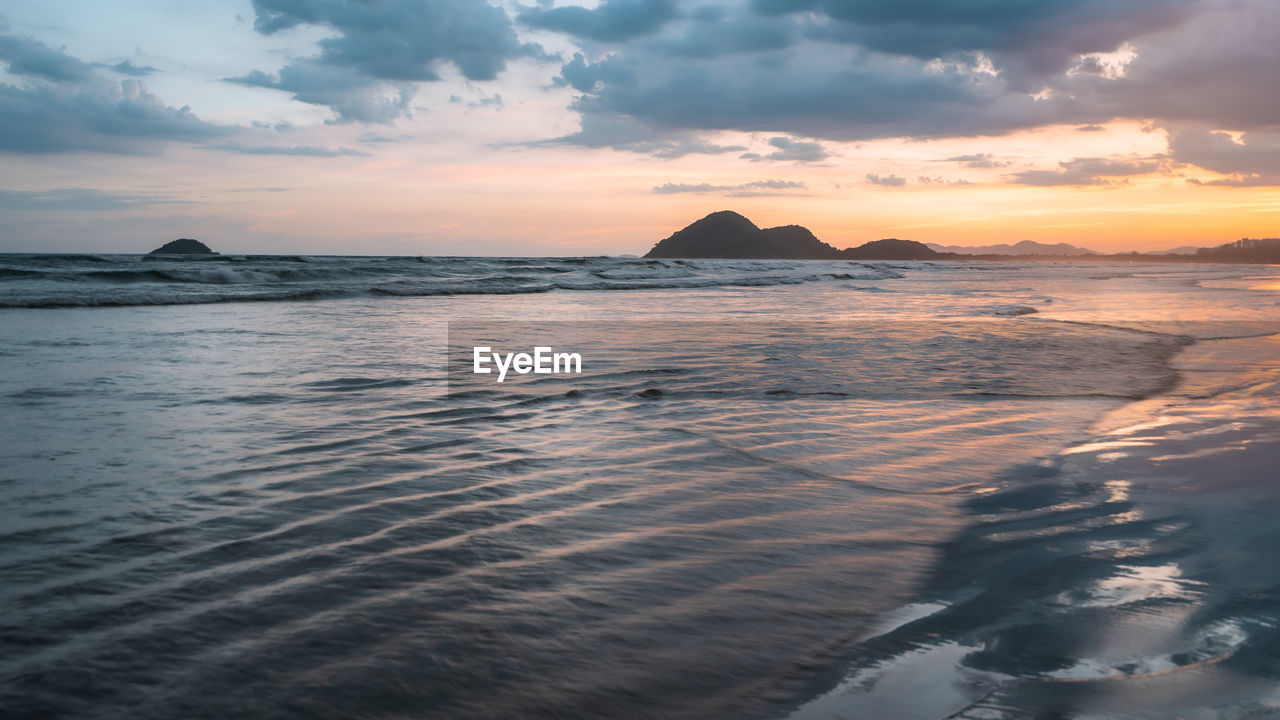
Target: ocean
{"x": 272, "y": 487}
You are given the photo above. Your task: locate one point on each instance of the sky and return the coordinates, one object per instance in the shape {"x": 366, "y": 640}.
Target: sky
{"x": 464, "y": 127}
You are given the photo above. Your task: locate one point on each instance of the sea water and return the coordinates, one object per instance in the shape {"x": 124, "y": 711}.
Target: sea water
{"x": 268, "y": 486}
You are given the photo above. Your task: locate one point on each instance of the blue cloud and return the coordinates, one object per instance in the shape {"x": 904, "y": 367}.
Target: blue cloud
{"x": 65, "y": 106}
{"x": 789, "y": 149}
{"x": 383, "y": 45}
{"x": 126, "y": 67}
{"x": 863, "y": 69}
{"x": 26, "y": 56}
{"x": 1026, "y": 39}
{"x": 611, "y": 21}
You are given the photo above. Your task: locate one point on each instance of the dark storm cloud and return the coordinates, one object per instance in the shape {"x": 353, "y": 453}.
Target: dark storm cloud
{"x": 385, "y": 46}
{"x": 611, "y": 21}
{"x": 1085, "y": 171}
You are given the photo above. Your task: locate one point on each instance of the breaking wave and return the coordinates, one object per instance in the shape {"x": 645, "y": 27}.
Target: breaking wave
{"x": 47, "y": 281}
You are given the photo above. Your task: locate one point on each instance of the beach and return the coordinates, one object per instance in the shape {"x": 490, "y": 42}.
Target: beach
{"x": 270, "y": 487}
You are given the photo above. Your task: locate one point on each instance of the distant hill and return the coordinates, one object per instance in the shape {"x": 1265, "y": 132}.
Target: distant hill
{"x": 1026, "y": 247}
{"x": 726, "y": 234}
{"x": 1184, "y": 250}
{"x": 183, "y": 246}
{"x": 891, "y": 249}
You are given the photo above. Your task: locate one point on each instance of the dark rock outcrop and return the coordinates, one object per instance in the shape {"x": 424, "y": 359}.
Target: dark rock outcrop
{"x": 727, "y": 234}
{"x": 891, "y": 249}
{"x": 796, "y": 241}
{"x": 183, "y": 246}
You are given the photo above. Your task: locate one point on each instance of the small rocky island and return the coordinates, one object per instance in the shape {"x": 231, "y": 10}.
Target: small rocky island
{"x": 183, "y": 246}
{"x": 726, "y": 234}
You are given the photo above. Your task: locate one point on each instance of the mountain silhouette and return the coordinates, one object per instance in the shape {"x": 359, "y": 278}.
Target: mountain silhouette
{"x": 890, "y": 249}
{"x": 726, "y": 234}
{"x": 1025, "y": 247}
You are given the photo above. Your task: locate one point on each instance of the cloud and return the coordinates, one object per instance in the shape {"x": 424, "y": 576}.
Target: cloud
{"x": 125, "y": 67}
{"x": 818, "y": 92}
{"x": 621, "y": 133}
{"x": 65, "y": 106}
{"x": 1216, "y": 70}
{"x": 847, "y": 71}
{"x": 801, "y": 151}
{"x": 1025, "y": 41}
{"x": 296, "y": 150}
{"x": 1253, "y": 160}
{"x": 79, "y": 199}
{"x": 611, "y": 21}
{"x": 980, "y": 160}
{"x": 1085, "y": 171}
{"x": 586, "y": 77}
{"x": 886, "y": 181}
{"x": 717, "y": 30}
{"x": 95, "y": 116}
{"x": 494, "y": 101}
{"x": 352, "y": 97}
{"x": 368, "y": 71}
{"x": 750, "y": 189}
{"x": 376, "y": 138}
{"x": 27, "y": 56}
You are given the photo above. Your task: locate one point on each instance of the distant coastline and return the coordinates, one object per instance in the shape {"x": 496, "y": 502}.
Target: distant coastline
{"x": 729, "y": 235}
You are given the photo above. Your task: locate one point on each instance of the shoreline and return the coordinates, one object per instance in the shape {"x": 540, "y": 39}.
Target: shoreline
{"x": 1111, "y": 533}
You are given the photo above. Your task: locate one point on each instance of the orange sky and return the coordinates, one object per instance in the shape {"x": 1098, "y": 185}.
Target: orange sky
{"x": 529, "y": 158}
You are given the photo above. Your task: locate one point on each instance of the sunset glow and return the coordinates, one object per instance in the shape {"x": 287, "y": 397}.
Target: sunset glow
{"x": 558, "y": 130}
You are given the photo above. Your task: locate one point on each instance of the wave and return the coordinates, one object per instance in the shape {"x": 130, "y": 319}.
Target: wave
{"x": 59, "y": 281}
